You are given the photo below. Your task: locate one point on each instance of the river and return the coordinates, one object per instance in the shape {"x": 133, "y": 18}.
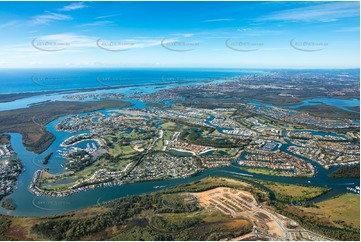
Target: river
{"x": 30, "y": 205}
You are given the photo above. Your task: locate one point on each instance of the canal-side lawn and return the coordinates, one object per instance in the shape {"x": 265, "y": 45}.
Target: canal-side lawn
{"x": 263, "y": 171}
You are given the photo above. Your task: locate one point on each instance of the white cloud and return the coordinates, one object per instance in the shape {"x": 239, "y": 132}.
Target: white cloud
{"x": 188, "y": 35}
{"x": 185, "y": 35}
{"x": 259, "y": 32}
{"x": 96, "y": 23}
{"x": 107, "y": 16}
{"x": 48, "y": 17}
{"x": 348, "y": 29}
{"x": 217, "y": 20}
{"x": 73, "y": 6}
{"x": 18, "y": 51}
{"x": 24, "y": 52}
{"x": 8, "y": 24}
{"x": 326, "y": 12}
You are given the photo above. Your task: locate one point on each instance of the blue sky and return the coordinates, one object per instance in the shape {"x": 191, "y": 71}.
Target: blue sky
{"x": 180, "y": 34}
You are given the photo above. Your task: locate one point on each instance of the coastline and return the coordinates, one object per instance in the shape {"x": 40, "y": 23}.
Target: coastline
{"x": 165, "y": 182}
{"x": 47, "y": 112}
{"x": 9, "y": 97}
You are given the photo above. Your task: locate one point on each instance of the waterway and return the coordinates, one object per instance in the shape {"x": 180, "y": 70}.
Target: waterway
{"x": 29, "y": 204}
{"x": 125, "y": 82}
{"x": 339, "y": 103}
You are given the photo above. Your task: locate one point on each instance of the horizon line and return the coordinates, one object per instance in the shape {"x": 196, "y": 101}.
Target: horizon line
{"x": 231, "y": 68}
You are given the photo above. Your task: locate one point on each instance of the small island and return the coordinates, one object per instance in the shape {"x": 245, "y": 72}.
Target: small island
{"x": 47, "y": 158}
{"x": 8, "y": 204}
{"x": 346, "y": 172}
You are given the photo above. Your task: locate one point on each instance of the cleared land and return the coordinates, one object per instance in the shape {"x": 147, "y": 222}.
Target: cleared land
{"x": 239, "y": 203}
{"x": 157, "y": 216}
{"x": 209, "y": 209}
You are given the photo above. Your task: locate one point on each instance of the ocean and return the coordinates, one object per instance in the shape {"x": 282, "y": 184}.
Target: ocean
{"x": 28, "y": 204}
{"x": 38, "y": 80}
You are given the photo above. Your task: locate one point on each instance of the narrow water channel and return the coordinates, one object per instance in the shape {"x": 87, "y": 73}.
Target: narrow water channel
{"x": 29, "y": 204}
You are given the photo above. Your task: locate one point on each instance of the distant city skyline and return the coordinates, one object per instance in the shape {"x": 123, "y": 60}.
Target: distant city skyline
{"x": 180, "y": 34}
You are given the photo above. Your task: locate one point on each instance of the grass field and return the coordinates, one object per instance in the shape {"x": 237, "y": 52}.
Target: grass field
{"x": 123, "y": 150}
{"x": 293, "y": 193}
{"x": 230, "y": 151}
{"x": 169, "y": 125}
{"x": 342, "y": 211}
{"x": 83, "y": 174}
{"x": 264, "y": 171}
